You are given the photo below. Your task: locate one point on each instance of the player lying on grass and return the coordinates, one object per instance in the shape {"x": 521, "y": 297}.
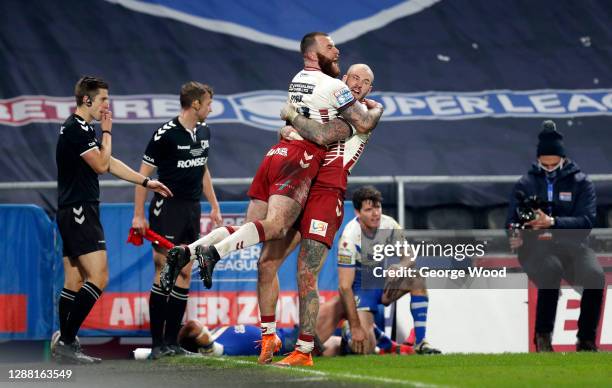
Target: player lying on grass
{"x": 244, "y": 340}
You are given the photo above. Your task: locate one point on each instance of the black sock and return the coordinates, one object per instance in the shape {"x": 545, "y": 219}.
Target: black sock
{"x": 82, "y": 305}
{"x": 157, "y": 313}
{"x": 174, "y": 313}
{"x": 65, "y": 305}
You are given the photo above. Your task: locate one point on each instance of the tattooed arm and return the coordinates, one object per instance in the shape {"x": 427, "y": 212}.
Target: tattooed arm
{"x": 363, "y": 120}
{"x": 318, "y": 133}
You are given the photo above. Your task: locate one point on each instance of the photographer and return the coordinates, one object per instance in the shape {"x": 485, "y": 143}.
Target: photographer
{"x": 552, "y": 198}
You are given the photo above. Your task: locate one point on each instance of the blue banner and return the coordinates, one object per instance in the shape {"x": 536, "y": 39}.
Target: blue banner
{"x": 29, "y": 255}
{"x": 32, "y": 277}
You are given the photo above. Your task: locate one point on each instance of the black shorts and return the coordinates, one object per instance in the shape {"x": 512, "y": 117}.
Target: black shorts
{"x": 178, "y": 220}
{"x": 80, "y": 228}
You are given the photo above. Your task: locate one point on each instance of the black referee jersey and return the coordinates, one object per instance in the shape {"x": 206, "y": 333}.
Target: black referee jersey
{"x": 180, "y": 157}
{"x": 76, "y": 181}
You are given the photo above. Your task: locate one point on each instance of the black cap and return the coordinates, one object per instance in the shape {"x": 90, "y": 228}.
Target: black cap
{"x": 550, "y": 141}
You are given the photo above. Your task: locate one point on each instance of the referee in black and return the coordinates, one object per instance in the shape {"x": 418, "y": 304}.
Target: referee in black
{"x": 80, "y": 158}
{"x": 179, "y": 151}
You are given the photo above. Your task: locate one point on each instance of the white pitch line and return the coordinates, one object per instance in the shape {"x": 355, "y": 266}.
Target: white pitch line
{"x": 328, "y": 375}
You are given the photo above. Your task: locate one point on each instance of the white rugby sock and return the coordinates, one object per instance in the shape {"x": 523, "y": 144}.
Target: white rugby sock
{"x": 211, "y": 238}
{"x": 249, "y": 234}
{"x": 305, "y": 343}
{"x": 268, "y": 324}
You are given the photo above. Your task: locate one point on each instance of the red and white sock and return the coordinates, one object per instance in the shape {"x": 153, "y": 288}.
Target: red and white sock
{"x": 213, "y": 237}
{"x": 249, "y": 234}
{"x": 268, "y": 324}
{"x": 305, "y": 343}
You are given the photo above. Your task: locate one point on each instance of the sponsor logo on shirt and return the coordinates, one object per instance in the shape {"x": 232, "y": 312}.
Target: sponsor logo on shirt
{"x": 344, "y": 257}
{"x": 197, "y": 162}
{"x": 301, "y": 87}
{"x": 343, "y": 96}
{"x": 277, "y": 151}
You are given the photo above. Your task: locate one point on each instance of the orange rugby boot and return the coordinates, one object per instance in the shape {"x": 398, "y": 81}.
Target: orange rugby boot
{"x": 296, "y": 358}
{"x": 270, "y": 344}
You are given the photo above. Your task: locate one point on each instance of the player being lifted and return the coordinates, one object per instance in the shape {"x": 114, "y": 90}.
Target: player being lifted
{"x": 281, "y": 185}
{"x": 317, "y": 227}
{"x": 283, "y": 180}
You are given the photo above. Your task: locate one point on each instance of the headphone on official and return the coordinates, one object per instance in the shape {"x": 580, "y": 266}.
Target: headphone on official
{"x": 88, "y": 101}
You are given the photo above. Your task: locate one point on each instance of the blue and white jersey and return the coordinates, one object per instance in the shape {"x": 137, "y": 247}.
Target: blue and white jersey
{"x": 350, "y": 243}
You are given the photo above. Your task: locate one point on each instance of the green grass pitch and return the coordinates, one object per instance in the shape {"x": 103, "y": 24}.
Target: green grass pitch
{"x": 454, "y": 370}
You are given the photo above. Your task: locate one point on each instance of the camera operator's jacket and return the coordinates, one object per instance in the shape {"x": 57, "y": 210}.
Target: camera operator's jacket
{"x": 574, "y": 203}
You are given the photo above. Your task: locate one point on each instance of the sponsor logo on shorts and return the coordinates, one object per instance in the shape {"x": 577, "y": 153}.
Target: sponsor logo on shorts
{"x": 157, "y": 208}
{"x": 318, "y": 227}
{"x": 284, "y": 185}
{"x": 305, "y": 158}
{"x": 78, "y": 212}
{"x": 277, "y": 151}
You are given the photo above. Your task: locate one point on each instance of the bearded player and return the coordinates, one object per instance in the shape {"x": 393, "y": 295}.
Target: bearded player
{"x": 281, "y": 185}
{"x": 317, "y": 227}
{"x": 280, "y": 188}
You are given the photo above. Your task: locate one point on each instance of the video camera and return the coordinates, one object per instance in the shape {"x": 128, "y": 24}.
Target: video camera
{"x": 526, "y": 209}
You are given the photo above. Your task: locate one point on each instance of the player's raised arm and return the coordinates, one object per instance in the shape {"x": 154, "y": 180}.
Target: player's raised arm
{"x": 363, "y": 120}
{"x": 318, "y": 133}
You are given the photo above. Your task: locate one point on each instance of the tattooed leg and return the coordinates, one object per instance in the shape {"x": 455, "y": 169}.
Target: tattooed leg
{"x": 310, "y": 260}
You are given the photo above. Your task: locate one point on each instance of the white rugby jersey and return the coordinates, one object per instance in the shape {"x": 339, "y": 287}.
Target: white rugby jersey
{"x": 350, "y": 243}
{"x": 340, "y": 160}
{"x": 319, "y": 96}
